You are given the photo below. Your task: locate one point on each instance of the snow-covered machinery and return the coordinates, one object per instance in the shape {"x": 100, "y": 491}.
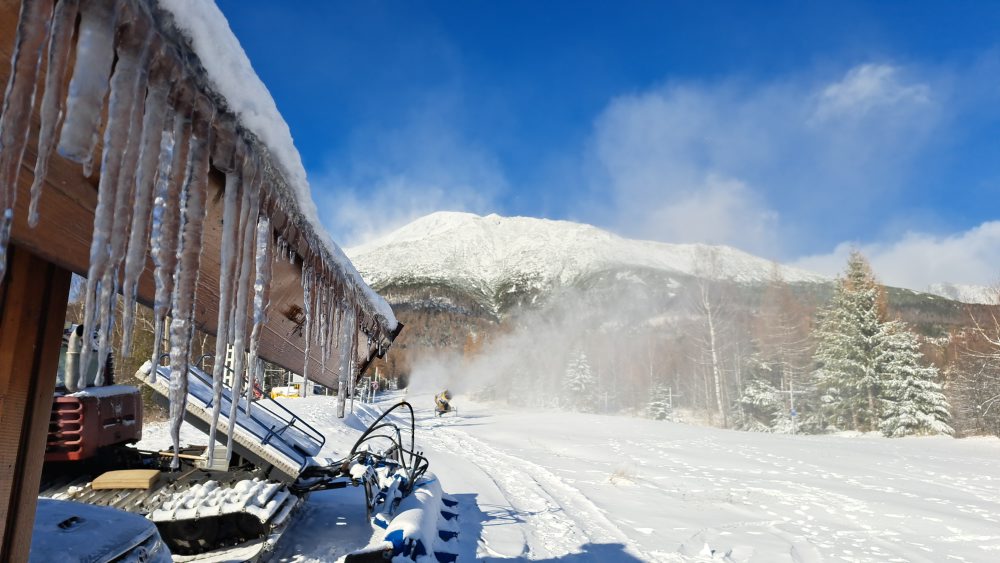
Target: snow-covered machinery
{"x": 237, "y": 510}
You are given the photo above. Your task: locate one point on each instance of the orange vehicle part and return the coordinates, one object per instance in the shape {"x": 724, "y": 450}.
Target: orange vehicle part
{"x": 83, "y": 423}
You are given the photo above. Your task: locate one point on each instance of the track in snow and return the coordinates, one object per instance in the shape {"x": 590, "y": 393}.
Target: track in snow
{"x": 554, "y": 519}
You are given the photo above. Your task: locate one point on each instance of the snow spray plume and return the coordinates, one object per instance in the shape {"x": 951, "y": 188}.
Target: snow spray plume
{"x": 576, "y": 351}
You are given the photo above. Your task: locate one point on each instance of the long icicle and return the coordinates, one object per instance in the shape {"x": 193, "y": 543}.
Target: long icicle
{"x": 115, "y": 140}
{"x": 124, "y": 199}
{"x": 261, "y": 295}
{"x": 174, "y": 148}
{"x": 188, "y": 265}
{"x": 154, "y": 121}
{"x": 345, "y": 345}
{"x": 242, "y": 297}
{"x": 323, "y": 350}
{"x": 51, "y": 112}
{"x": 355, "y": 339}
{"x": 307, "y": 286}
{"x": 18, "y": 101}
{"x": 230, "y": 228}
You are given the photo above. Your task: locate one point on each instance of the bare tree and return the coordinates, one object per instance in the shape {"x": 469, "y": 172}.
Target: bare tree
{"x": 974, "y": 373}
{"x": 711, "y": 306}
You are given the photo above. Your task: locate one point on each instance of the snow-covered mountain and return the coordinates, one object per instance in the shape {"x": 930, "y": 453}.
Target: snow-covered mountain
{"x": 966, "y": 293}
{"x": 494, "y": 257}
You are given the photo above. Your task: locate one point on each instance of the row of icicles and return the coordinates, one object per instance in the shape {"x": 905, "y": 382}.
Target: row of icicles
{"x": 160, "y": 139}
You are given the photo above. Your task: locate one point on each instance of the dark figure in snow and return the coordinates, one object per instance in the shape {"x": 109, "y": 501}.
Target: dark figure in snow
{"x": 442, "y": 402}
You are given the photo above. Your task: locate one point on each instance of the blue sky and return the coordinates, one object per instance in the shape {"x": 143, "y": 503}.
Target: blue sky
{"x": 794, "y": 131}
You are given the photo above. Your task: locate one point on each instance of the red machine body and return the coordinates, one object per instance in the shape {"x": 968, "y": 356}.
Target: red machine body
{"x": 83, "y": 423}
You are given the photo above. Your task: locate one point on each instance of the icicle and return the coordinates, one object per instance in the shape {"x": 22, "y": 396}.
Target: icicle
{"x": 87, "y": 89}
{"x": 322, "y": 330}
{"x": 344, "y": 345}
{"x": 124, "y": 83}
{"x": 307, "y": 289}
{"x": 230, "y": 229}
{"x": 245, "y": 262}
{"x": 355, "y": 330}
{"x": 331, "y": 331}
{"x": 174, "y": 149}
{"x": 154, "y": 121}
{"x": 261, "y": 294}
{"x": 188, "y": 257}
{"x": 18, "y": 102}
{"x": 60, "y": 42}
{"x": 124, "y": 201}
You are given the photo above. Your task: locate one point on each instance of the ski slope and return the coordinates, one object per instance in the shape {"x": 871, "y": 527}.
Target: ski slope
{"x": 577, "y": 487}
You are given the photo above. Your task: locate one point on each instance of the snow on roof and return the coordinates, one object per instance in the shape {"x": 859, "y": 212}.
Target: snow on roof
{"x": 231, "y": 75}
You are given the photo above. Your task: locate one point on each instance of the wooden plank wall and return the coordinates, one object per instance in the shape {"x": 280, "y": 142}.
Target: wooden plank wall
{"x": 32, "y": 310}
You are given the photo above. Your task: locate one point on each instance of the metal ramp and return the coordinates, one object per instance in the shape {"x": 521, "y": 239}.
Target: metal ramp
{"x": 270, "y": 435}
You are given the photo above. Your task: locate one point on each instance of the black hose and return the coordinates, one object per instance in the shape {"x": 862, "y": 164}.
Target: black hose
{"x": 418, "y": 464}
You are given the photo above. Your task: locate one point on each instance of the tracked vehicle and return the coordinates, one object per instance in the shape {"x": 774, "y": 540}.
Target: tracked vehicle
{"x": 238, "y": 511}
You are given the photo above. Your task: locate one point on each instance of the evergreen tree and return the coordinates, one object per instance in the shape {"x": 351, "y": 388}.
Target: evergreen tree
{"x": 847, "y": 353}
{"x": 659, "y": 407}
{"x": 912, "y": 401}
{"x": 767, "y": 408}
{"x": 762, "y": 406}
{"x": 579, "y": 383}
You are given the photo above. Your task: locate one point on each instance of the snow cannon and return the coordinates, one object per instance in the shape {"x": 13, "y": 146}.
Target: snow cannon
{"x": 442, "y": 403}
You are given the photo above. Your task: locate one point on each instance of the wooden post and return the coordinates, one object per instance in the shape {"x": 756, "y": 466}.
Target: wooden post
{"x": 32, "y": 312}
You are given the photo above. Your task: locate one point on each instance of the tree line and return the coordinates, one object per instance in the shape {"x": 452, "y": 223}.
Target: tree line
{"x": 785, "y": 365}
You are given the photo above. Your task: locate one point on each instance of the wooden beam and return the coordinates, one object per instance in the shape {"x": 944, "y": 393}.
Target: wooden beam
{"x": 32, "y": 312}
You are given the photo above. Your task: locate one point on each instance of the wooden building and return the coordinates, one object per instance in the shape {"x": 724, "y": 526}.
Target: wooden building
{"x": 40, "y": 260}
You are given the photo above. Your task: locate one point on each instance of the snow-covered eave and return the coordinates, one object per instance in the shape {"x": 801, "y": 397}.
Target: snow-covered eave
{"x": 113, "y": 95}
{"x": 221, "y": 70}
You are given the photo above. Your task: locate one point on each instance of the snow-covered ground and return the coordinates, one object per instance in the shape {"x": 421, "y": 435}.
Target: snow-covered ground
{"x": 576, "y": 487}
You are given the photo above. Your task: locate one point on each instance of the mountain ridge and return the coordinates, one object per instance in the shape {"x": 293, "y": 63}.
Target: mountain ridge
{"x": 492, "y": 256}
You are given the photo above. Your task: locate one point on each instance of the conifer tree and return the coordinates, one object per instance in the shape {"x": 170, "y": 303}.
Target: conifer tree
{"x": 762, "y": 406}
{"x": 912, "y": 401}
{"x": 868, "y": 369}
{"x": 659, "y": 407}
{"x": 847, "y": 353}
{"x": 580, "y": 384}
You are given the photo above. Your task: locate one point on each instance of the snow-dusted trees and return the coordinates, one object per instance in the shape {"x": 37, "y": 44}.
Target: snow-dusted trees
{"x": 774, "y": 389}
{"x": 868, "y": 369}
{"x": 847, "y": 372}
{"x": 579, "y": 382}
{"x": 974, "y": 373}
{"x": 712, "y": 309}
{"x": 660, "y": 403}
{"x": 912, "y": 401}
{"x": 761, "y": 405}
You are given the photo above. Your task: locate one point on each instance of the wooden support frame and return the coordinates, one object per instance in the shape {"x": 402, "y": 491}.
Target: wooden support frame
{"x": 32, "y": 310}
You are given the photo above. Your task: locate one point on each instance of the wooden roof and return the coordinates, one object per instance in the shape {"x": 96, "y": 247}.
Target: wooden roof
{"x": 63, "y": 235}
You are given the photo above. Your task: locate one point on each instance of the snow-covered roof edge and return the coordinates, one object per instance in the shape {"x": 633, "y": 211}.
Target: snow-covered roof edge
{"x": 230, "y": 75}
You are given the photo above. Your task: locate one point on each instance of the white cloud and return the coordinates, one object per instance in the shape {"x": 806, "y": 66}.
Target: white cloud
{"x": 867, "y": 88}
{"x": 721, "y": 212}
{"x": 917, "y": 260}
{"x": 722, "y": 161}
{"x": 357, "y": 216}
